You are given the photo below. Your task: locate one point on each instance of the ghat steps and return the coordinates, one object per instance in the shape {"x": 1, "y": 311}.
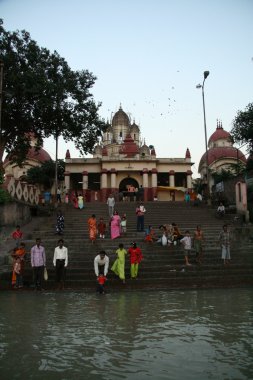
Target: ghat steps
{"x": 162, "y": 267}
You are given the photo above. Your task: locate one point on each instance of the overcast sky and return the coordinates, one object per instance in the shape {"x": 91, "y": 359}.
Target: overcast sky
{"x": 148, "y": 56}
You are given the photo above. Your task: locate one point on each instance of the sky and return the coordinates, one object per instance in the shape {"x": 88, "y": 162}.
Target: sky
{"x": 148, "y": 56}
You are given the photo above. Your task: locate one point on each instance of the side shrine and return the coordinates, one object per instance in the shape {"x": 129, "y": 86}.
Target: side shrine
{"x": 123, "y": 165}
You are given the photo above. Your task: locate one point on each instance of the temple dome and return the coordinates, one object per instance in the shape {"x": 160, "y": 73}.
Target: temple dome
{"x": 120, "y": 118}
{"x": 219, "y": 134}
{"x": 39, "y": 155}
{"x": 218, "y": 153}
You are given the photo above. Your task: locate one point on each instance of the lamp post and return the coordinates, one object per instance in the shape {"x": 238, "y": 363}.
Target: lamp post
{"x": 202, "y": 86}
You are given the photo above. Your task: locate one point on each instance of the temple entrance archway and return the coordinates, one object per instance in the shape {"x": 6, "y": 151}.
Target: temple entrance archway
{"x": 129, "y": 181}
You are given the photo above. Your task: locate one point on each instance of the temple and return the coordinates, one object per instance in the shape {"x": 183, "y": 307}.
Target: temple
{"x": 121, "y": 162}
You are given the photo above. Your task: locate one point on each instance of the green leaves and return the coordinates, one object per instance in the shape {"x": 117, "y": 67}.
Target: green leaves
{"x": 242, "y": 131}
{"x": 42, "y": 95}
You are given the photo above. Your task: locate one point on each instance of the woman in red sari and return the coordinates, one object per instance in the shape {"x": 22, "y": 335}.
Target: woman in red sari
{"x": 92, "y": 227}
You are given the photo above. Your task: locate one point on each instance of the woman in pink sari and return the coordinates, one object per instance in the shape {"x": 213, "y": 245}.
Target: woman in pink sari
{"x": 115, "y": 225}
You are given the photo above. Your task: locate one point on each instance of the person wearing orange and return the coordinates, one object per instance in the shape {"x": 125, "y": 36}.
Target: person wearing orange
{"x": 135, "y": 259}
{"x": 150, "y": 235}
{"x": 18, "y": 253}
{"x": 92, "y": 227}
{"x": 101, "y": 284}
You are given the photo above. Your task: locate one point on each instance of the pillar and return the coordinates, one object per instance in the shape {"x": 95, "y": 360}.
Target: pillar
{"x": 154, "y": 183}
{"x": 172, "y": 178}
{"x": 145, "y": 183}
{"x": 189, "y": 179}
{"x": 67, "y": 181}
{"x": 113, "y": 181}
{"x": 103, "y": 185}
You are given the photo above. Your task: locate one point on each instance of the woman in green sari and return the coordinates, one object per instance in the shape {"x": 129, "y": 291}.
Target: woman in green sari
{"x": 119, "y": 264}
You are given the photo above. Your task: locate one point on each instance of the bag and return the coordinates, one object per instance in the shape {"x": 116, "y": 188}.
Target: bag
{"x": 45, "y": 274}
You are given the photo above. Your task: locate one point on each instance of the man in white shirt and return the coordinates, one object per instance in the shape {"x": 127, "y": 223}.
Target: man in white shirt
{"x": 60, "y": 262}
{"x": 111, "y": 204}
{"x": 101, "y": 264}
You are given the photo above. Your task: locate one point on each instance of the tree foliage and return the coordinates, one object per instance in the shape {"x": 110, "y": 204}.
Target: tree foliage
{"x": 43, "y": 96}
{"x": 242, "y": 131}
{"x": 45, "y": 174}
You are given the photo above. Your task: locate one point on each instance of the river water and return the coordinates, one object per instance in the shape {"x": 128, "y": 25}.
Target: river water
{"x": 202, "y": 334}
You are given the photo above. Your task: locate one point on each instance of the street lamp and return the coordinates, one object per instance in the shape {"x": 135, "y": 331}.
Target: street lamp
{"x": 206, "y": 73}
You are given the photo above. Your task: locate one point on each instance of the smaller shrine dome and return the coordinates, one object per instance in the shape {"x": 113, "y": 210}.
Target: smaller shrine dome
{"x": 120, "y": 118}
{"x": 226, "y": 152}
{"x": 129, "y": 148}
{"x": 144, "y": 150}
{"x": 134, "y": 128}
{"x": 39, "y": 155}
{"x": 219, "y": 134}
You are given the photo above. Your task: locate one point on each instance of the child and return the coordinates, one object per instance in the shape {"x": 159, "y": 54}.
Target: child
{"x": 150, "y": 235}
{"x": 123, "y": 225}
{"x": 17, "y": 270}
{"x": 187, "y": 243}
{"x": 101, "y": 282}
{"x": 17, "y": 235}
{"x": 101, "y": 228}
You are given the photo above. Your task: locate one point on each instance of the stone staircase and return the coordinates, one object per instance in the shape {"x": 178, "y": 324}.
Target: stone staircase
{"x": 162, "y": 267}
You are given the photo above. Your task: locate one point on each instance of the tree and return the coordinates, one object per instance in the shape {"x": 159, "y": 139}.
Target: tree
{"x": 242, "y": 131}
{"x": 43, "y": 96}
{"x": 45, "y": 174}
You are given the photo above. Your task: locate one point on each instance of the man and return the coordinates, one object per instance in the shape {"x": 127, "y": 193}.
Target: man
{"x": 140, "y": 212}
{"x": 38, "y": 262}
{"x": 111, "y": 204}
{"x": 224, "y": 239}
{"x": 60, "y": 262}
{"x": 198, "y": 238}
{"x": 101, "y": 264}
{"x": 221, "y": 210}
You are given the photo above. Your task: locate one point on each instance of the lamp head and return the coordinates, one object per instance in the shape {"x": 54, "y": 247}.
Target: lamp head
{"x": 199, "y": 85}
{"x": 206, "y": 73}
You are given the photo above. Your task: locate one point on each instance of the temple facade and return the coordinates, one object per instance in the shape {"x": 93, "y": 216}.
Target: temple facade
{"x": 122, "y": 163}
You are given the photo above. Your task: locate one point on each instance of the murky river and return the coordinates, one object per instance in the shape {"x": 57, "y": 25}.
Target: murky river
{"x": 199, "y": 335}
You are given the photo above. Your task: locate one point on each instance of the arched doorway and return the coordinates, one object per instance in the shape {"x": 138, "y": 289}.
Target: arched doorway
{"x": 128, "y": 182}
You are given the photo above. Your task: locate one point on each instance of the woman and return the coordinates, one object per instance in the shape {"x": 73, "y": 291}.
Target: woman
{"x": 135, "y": 259}
{"x": 119, "y": 264}
{"x": 92, "y": 227}
{"x": 115, "y": 225}
{"x": 80, "y": 201}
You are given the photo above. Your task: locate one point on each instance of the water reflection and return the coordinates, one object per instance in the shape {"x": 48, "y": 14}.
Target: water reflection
{"x": 162, "y": 335}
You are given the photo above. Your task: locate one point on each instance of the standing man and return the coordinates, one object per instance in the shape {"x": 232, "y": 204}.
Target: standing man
{"x": 60, "y": 262}
{"x": 198, "y": 239}
{"x": 101, "y": 264}
{"x": 38, "y": 262}
{"x": 111, "y": 204}
{"x": 224, "y": 239}
{"x": 140, "y": 212}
